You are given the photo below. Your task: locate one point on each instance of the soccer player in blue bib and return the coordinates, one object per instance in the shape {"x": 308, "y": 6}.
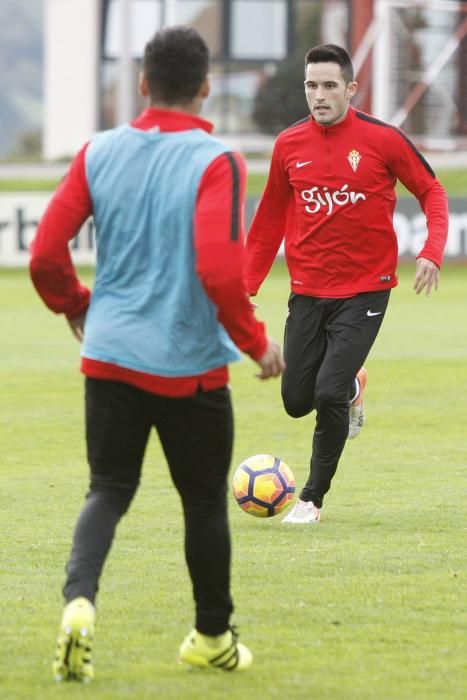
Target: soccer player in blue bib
{"x": 168, "y": 310}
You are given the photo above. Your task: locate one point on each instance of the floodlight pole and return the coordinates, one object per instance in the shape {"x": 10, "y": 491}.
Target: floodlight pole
{"x": 169, "y": 13}
{"x": 125, "y": 69}
{"x": 430, "y": 74}
{"x": 381, "y": 62}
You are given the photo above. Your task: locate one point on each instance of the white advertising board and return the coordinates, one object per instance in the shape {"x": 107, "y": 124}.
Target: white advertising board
{"x": 21, "y": 212}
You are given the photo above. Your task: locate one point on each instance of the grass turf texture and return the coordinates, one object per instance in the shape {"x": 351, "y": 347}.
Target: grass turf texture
{"x": 368, "y": 605}
{"x": 28, "y": 185}
{"x": 455, "y": 182}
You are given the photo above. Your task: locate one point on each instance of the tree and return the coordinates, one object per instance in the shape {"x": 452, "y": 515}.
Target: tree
{"x": 280, "y": 100}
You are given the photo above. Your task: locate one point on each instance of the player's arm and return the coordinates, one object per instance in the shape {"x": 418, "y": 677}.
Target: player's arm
{"x": 220, "y": 253}
{"x": 269, "y": 223}
{"x": 51, "y": 267}
{"x": 411, "y": 168}
{"x": 434, "y": 203}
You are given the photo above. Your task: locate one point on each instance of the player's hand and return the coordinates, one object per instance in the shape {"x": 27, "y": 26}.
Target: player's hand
{"x": 253, "y": 305}
{"x": 77, "y": 327}
{"x": 272, "y": 363}
{"x": 426, "y": 276}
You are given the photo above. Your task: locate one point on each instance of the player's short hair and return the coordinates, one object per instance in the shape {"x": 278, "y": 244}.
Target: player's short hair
{"x": 175, "y": 63}
{"x": 331, "y": 53}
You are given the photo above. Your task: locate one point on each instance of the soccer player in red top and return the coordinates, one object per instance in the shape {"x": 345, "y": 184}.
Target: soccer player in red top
{"x": 331, "y": 195}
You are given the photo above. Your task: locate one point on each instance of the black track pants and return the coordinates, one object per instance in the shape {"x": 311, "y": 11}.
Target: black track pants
{"x": 196, "y": 434}
{"x": 326, "y": 342}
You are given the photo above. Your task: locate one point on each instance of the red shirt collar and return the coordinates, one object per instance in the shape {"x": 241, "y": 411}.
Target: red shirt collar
{"x": 169, "y": 120}
{"x": 335, "y": 128}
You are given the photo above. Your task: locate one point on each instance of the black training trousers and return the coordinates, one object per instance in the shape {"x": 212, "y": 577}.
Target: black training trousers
{"x": 196, "y": 434}
{"x": 326, "y": 342}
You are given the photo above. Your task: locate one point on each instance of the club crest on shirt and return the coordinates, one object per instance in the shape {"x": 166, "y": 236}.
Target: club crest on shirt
{"x": 354, "y": 158}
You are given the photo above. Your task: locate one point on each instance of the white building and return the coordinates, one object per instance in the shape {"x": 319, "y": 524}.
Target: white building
{"x": 411, "y": 60}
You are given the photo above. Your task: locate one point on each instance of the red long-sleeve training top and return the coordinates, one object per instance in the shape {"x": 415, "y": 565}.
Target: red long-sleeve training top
{"x": 330, "y": 193}
{"x": 219, "y": 259}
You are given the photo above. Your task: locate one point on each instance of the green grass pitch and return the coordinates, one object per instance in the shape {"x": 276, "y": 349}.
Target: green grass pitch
{"x": 368, "y": 605}
{"x": 454, "y": 180}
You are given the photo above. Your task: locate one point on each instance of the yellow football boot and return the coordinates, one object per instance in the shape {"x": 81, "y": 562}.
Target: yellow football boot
{"x": 73, "y": 653}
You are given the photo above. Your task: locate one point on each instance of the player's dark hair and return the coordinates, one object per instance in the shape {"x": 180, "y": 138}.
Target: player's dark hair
{"x": 175, "y": 63}
{"x": 331, "y": 53}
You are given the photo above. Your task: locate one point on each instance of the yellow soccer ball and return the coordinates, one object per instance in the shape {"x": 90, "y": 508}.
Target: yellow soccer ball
{"x": 263, "y": 485}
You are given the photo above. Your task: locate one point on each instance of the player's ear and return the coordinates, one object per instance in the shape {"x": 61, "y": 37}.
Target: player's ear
{"x": 143, "y": 85}
{"x": 205, "y": 88}
{"x": 352, "y": 89}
